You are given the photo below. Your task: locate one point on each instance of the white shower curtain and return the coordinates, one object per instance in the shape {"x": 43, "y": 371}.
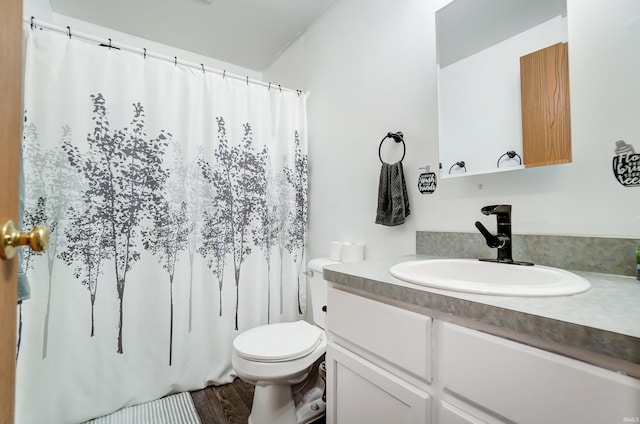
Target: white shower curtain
{"x": 176, "y": 201}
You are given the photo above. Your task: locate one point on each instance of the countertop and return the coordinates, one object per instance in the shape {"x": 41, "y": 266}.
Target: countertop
{"x": 601, "y": 325}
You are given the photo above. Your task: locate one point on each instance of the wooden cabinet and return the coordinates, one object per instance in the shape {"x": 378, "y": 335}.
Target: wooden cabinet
{"x": 387, "y": 364}
{"x": 546, "y": 121}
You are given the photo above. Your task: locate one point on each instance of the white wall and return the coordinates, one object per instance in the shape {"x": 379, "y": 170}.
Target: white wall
{"x": 41, "y": 10}
{"x": 370, "y": 68}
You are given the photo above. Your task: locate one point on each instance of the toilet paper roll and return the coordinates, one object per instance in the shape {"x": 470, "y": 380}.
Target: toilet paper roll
{"x": 352, "y": 252}
{"x": 335, "y": 251}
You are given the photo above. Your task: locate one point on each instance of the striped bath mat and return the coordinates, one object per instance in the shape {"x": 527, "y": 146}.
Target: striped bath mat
{"x": 175, "y": 409}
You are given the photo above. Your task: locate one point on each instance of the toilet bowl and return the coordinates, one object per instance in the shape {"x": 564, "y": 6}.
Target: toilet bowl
{"x": 276, "y": 357}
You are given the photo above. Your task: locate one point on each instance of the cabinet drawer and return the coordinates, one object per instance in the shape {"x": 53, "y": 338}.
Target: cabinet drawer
{"x": 401, "y": 337}
{"x": 529, "y": 385}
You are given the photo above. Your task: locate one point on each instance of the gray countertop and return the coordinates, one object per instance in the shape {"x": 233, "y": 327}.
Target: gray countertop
{"x": 604, "y": 321}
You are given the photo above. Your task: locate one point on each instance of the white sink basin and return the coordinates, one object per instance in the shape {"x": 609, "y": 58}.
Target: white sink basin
{"x": 474, "y": 276}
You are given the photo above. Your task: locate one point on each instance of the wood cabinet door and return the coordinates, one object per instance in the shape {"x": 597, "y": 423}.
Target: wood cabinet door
{"x": 546, "y": 121}
{"x": 10, "y": 130}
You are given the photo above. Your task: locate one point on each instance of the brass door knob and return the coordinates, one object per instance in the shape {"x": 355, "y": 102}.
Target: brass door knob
{"x": 10, "y": 239}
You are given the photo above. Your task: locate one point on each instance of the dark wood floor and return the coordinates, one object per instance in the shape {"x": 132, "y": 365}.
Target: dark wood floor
{"x": 226, "y": 404}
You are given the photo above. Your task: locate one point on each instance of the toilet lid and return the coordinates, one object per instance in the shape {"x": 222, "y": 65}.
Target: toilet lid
{"x": 278, "y": 342}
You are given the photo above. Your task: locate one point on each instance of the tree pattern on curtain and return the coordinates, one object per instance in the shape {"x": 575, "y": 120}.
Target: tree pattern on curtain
{"x": 53, "y": 186}
{"x": 297, "y": 177}
{"x": 176, "y": 203}
{"x": 125, "y": 182}
{"x": 135, "y": 197}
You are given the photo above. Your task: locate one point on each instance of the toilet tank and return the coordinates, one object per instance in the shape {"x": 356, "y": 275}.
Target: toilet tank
{"x": 318, "y": 289}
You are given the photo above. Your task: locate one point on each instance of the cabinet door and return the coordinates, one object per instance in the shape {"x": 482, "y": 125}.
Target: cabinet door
{"x": 546, "y": 122}
{"x": 449, "y": 414}
{"x": 360, "y": 392}
{"x": 529, "y": 385}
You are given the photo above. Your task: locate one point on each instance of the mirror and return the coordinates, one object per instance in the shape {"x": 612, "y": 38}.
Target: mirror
{"x": 484, "y": 98}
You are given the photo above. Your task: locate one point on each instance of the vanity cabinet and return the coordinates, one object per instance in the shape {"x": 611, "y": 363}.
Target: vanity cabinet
{"x": 546, "y": 123}
{"x": 378, "y": 362}
{"x": 387, "y": 364}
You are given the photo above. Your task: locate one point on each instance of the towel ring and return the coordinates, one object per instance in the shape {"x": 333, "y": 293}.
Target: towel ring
{"x": 511, "y": 154}
{"x": 398, "y": 137}
{"x": 460, "y": 165}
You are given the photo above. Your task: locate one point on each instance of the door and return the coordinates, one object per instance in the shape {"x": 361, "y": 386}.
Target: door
{"x": 546, "y": 116}
{"x": 10, "y": 130}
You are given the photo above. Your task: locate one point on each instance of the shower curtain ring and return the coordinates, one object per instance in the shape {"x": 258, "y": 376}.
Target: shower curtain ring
{"x": 269, "y": 88}
{"x": 69, "y": 31}
{"x": 224, "y": 73}
{"x": 32, "y": 24}
{"x": 202, "y": 65}
{"x": 144, "y": 55}
{"x": 175, "y": 60}
{"x": 247, "y": 79}
{"x": 280, "y": 87}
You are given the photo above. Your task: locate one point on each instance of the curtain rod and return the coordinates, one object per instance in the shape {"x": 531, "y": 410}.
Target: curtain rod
{"x": 33, "y": 23}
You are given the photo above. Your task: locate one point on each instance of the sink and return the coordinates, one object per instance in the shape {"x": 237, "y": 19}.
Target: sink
{"x": 474, "y": 276}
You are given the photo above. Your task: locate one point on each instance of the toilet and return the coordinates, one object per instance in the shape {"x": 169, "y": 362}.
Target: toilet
{"x": 278, "y": 358}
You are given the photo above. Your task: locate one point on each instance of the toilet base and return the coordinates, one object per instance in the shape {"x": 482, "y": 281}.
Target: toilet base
{"x": 308, "y": 395}
{"x": 273, "y": 403}
{"x": 312, "y": 409}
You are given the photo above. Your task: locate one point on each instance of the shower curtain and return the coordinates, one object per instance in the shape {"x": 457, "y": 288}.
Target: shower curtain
{"x": 177, "y": 205}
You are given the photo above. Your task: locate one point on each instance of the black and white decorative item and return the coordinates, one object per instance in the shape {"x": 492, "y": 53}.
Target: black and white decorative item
{"x": 626, "y": 165}
{"x": 427, "y": 181}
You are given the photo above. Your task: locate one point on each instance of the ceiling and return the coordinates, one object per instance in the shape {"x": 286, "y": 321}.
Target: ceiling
{"x": 247, "y": 33}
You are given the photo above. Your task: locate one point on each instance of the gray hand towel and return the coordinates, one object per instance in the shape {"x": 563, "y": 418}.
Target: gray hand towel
{"x": 393, "y": 201}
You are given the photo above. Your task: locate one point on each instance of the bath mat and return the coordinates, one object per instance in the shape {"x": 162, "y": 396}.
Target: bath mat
{"x": 174, "y": 409}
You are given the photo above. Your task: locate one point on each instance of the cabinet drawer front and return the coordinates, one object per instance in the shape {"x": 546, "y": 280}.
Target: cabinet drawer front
{"x": 398, "y": 336}
{"x": 529, "y": 385}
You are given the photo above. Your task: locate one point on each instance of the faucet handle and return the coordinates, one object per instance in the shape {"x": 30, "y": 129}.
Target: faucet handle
{"x": 492, "y": 241}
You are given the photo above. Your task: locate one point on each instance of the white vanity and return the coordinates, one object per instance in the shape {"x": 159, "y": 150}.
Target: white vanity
{"x": 399, "y": 353}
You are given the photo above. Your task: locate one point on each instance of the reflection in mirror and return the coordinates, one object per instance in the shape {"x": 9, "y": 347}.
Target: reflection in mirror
{"x": 479, "y": 48}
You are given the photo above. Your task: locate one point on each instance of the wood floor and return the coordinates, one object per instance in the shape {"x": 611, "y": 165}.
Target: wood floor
{"x": 226, "y": 404}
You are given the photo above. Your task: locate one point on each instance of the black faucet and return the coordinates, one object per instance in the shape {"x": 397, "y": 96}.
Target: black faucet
{"x": 501, "y": 240}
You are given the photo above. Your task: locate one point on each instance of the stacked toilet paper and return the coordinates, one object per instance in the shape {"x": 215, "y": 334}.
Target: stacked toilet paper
{"x": 346, "y": 251}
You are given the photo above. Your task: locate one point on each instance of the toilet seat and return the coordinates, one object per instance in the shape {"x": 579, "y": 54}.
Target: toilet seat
{"x": 278, "y": 342}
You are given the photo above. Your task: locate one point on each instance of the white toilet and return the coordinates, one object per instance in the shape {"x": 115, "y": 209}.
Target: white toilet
{"x": 275, "y": 357}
